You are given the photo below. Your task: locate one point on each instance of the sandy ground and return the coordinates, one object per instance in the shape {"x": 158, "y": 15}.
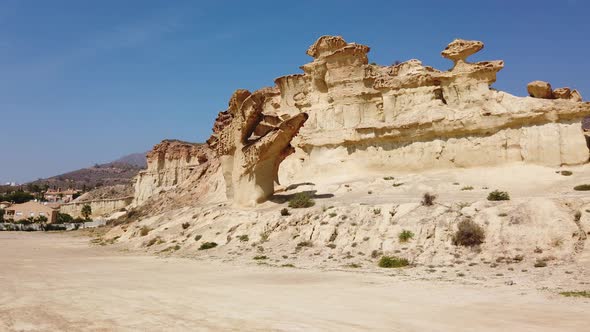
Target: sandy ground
{"x": 57, "y": 282}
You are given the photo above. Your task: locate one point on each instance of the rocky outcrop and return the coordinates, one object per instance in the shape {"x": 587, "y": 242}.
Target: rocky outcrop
{"x": 100, "y": 207}
{"x": 345, "y": 117}
{"x": 170, "y": 164}
{"x": 540, "y": 89}
{"x": 370, "y": 118}
{"x": 251, "y": 139}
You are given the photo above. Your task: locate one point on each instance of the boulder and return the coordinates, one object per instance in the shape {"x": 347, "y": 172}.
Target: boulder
{"x": 562, "y": 93}
{"x": 540, "y": 89}
{"x": 576, "y": 96}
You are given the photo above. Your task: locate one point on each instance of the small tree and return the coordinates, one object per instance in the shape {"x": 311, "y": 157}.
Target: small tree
{"x": 1, "y": 215}
{"x": 86, "y": 211}
{"x": 63, "y": 218}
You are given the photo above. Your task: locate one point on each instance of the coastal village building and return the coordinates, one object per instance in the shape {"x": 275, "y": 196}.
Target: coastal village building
{"x": 30, "y": 209}
{"x": 4, "y": 205}
{"x": 60, "y": 196}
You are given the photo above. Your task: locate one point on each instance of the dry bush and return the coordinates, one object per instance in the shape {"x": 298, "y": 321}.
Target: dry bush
{"x": 428, "y": 199}
{"x": 468, "y": 234}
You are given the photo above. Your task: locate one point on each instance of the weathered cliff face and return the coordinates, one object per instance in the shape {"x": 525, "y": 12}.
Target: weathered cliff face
{"x": 251, "y": 139}
{"x": 100, "y": 207}
{"x": 171, "y": 165}
{"x": 345, "y": 117}
{"x": 364, "y": 117}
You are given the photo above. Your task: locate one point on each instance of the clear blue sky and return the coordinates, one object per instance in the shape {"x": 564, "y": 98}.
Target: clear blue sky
{"x": 84, "y": 82}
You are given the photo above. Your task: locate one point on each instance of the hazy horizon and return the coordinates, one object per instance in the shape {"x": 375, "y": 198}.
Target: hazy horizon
{"x": 90, "y": 82}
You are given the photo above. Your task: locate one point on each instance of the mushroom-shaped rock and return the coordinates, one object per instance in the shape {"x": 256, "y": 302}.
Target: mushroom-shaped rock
{"x": 460, "y": 49}
{"x": 540, "y": 89}
{"x": 326, "y": 45}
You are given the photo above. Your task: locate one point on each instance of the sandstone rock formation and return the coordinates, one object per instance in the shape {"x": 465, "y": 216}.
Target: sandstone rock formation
{"x": 251, "y": 139}
{"x": 343, "y": 117}
{"x": 540, "y": 89}
{"x": 370, "y": 118}
{"x": 171, "y": 164}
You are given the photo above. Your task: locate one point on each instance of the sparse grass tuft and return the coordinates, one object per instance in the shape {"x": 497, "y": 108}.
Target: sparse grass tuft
{"x": 467, "y": 188}
{"x": 243, "y": 238}
{"x": 405, "y": 235}
{"x": 576, "y": 294}
{"x": 260, "y": 257}
{"x": 387, "y": 178}
{"x": 566, "y": 173}
{"x": 285, "y": 212}
{"x": 301, "y": 200}
{"x": 288, "y": 265}
{"x": 540, "y": 263}
{"x": 207, "y": 245}
{"x": 185, "y": 225}
{"x": 397, "y": 184}
{"x": 353, "y": 265}
{"x": 156, "y": 240}
{"x": 393, "y": 262}
{"x": 333, "y": 214}
{"x": 304, "y": 244}
{"x": 376, "y": 211}
{"x": 198, "y": 237}
{"x": 468, "y": 234}
{"x": 144, "y": 231}
{"x": 578, "y": 216}
{"x": 428, "y": 199}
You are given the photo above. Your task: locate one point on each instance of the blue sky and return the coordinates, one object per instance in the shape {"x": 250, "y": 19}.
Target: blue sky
{"x": 84, "y": 82}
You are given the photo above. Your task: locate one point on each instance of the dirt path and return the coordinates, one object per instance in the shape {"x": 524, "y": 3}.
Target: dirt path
{"x": 52, "y": 282}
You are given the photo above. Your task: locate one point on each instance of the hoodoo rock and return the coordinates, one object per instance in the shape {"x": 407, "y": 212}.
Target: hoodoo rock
{"x": 343, "y": 117}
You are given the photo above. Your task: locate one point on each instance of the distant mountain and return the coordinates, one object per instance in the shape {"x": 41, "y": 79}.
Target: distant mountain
{"x": 120, "y": 171}
{"x": 134, "y": 159}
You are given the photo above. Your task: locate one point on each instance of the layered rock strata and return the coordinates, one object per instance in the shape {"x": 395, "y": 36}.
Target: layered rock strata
{"x": 364, "y": 117}
{"x": 171, "y": 163}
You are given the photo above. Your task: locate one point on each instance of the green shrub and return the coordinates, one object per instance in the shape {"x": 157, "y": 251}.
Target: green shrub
{"x": 582, "y": 187}
{"x": 287, "y": 265}
{"x": 244, "y": 238}
{"x": 387, "y": 178}
{"x": 467, "y": 188}
{"x": 497, "y": 195}
{"x": 405, "y": 235}
{"x": 207, "y": 245}
{"x": 285, "y": 212}
{"x": 301, "y": 200}
{"x": 393, "y": 262}
{"x": 397, "y": 184}
{"x": 353, "y": 265}
{"x": 376, "y": 211}
{"x": 144, "y": 231}
{"x": 198, "y": 237}
{"x": 185, "y": 225}
{"x": 428, "y": 199}
{"x": 260, "y": 257}
{"x": 333, "y": 214}
{"x": 566, "y": 173}
{"x": 468, "y": 234}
